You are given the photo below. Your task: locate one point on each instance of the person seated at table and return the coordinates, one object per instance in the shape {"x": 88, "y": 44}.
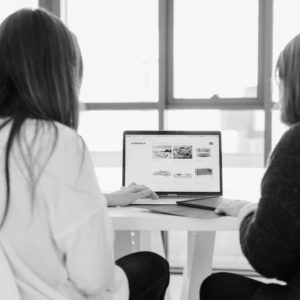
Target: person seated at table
{"x": 269, "y": 231}
{"x": 55, "y": 227}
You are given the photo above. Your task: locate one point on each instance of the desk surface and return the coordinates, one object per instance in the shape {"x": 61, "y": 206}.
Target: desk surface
{"x": 238, "y": 184}
{"x": 134, "y": 218}
{"x": 200, "y": 246}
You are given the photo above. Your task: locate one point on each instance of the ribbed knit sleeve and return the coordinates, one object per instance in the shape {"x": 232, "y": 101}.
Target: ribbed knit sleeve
{"x": 270, "y": 236}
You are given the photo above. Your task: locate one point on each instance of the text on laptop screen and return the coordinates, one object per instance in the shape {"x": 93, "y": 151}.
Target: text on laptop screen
{"x": 177, "y": 163}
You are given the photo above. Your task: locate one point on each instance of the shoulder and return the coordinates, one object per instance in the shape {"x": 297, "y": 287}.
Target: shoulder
{"x": 67, "y": 133}
{"x": 68, "y": 147}
{"x": 290, "y": 135}
{"x": 32, "y": 127}
{"x": 60, "y": 150}
{"x": 288, "y": 144}
{"x": 60, "y": 139}
{"x": 284, "y": 163}
{"x": 68, "y": 140}
{"x": 40, "y": 141}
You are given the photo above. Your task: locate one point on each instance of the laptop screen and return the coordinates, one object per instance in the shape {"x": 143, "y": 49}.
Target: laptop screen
{"x": 179, "y": 162}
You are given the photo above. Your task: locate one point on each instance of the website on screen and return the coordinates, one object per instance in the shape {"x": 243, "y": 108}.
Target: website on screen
{"x": 179, "y": 163}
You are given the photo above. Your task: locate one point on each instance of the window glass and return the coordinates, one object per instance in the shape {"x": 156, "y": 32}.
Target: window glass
{"x": 242, "y": 132}
{"x": 215, "y": 48}
{"x": 103, "y": 130}
{"x": 119, "y": 44}
{"x": 109, "y": 178}
{"x": 8, "y": 7}
{"x": 227, "y": 251}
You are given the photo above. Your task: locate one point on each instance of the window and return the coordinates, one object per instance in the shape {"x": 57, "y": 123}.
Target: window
{"x": 215, "y": 48}
{"x": 152, "y": 54}
{"x": 182, "y": 64}
{"x": 8, "y": 7}
{"x": 119, "y": 44}
{"x": 242, "y": 132}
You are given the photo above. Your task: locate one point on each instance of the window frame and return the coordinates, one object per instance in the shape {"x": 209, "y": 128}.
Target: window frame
{"x": 166, "y": 100}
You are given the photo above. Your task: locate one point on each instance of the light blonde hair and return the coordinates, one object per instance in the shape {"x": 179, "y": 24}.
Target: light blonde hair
{"x": 288, "y": 70}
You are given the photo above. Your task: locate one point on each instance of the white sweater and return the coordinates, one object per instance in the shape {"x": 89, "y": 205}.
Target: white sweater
{"x": 58, "y": 236}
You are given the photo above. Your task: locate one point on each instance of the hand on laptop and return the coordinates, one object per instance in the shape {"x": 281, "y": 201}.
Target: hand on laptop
{"x": 127, "y": 195}
{"x": 230, "y": 208}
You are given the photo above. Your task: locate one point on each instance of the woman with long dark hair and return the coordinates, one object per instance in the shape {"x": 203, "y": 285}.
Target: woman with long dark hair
{"x": 55, "y": 229}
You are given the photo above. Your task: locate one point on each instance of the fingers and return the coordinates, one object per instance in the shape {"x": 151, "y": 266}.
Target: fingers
{"x": 141, "y": 191}
{"x": 154, "y": 196}
{"x": 230, "y": 208}
{"x": 135, "y": 188}
{"x": 225, "y": 207}
{"x": 219, "y": 210}
{"x": 147, "y": 193}
{"x": 127, "y": 187}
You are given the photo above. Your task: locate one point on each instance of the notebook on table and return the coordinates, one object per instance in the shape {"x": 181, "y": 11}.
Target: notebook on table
{"x": 177, "y": 165}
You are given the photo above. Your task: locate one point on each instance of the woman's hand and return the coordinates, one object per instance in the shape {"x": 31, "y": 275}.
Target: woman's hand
{"x": 129, "y": 194}
{"x": 230, "y": 208}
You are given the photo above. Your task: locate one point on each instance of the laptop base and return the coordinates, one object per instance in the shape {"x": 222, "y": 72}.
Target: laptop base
{"x": 168, "y": 200}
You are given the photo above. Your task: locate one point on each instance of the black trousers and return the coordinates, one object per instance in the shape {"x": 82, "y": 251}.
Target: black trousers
{"x": 228, "y": 286}
{"x": 148, "y": 275}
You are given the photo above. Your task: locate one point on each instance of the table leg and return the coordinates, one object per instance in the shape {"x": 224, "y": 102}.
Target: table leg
{"x": 152, "y": 241}
{"x": 199, "y": 262}
{"x": 124, "y": 243}
{"x": 132, "y": 241}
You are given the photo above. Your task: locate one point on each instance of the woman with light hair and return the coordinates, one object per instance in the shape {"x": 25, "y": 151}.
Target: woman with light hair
{"x": 270, "y": 231}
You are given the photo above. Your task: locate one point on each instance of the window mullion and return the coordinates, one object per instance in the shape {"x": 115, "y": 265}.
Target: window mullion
{"x": 118, "y": 105}
{"x": 265, "y": 68}
{"x": 51, "y": 5}
{"x": 164, "y": 52}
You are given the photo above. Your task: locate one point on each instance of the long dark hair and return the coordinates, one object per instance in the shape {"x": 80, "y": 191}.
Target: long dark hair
{"x": 40, "y": 75}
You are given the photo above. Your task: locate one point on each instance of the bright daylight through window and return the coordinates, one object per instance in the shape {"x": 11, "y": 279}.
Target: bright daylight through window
{"x": 180, "y": 65}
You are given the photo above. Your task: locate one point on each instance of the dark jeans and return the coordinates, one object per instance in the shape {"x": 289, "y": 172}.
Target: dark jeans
{"x": 228, "y": 286}
{"x": 148, "y": 275}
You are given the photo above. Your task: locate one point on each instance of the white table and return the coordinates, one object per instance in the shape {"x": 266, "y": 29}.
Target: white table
{"x": 137, "y": 229}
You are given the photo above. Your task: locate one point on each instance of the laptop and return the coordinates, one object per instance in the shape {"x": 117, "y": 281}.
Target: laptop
{"x": 177, "y": 165}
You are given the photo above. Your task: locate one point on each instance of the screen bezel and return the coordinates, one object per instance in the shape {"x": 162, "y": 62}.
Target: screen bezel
{"x": 174, "y": 132}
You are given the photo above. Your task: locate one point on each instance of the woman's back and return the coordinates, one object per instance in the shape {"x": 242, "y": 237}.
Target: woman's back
{"x": 53, "y": 209}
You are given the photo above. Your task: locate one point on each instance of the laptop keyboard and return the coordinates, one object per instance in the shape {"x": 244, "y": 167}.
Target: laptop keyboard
{"x": 170, "y": 199}
{"x": 189, "y": 196}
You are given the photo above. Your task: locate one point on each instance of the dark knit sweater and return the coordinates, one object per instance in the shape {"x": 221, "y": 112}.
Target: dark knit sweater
{"x": 270, "y": 238}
